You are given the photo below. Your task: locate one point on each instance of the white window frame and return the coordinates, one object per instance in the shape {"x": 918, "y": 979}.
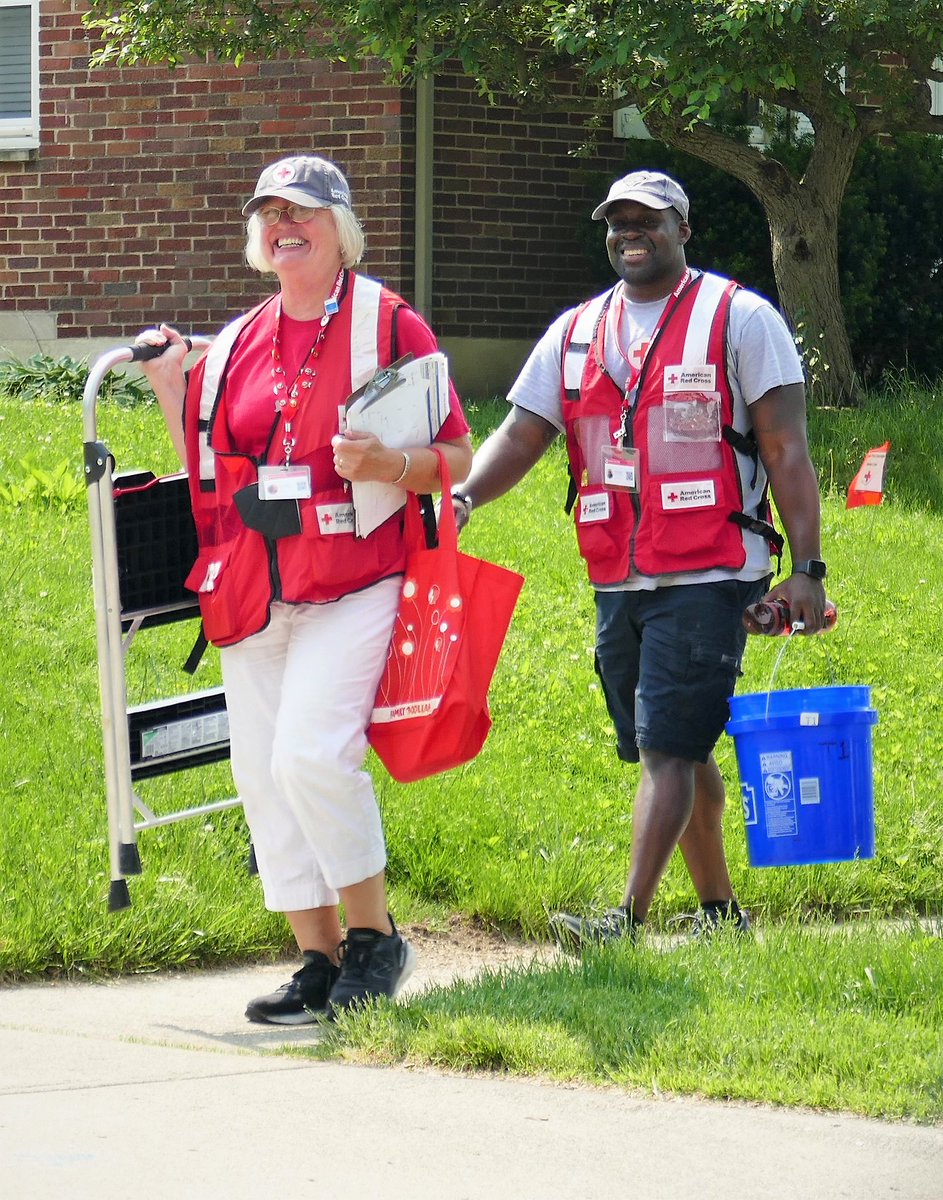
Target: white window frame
{"x": 22, "y": 133}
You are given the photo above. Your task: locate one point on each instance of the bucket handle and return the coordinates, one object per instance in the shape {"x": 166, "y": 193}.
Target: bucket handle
{"x": 796, "y": 628}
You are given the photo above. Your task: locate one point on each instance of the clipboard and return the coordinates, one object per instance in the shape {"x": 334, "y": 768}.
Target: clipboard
{"x": 404, "y": 404}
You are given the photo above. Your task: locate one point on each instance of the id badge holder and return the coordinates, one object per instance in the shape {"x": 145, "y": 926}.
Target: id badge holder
{"x": 284, "y": 483}
{"x": 620, "y": 468}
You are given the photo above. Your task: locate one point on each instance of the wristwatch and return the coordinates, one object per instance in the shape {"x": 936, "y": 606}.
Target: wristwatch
{"x": 464, "y": 500}
{"x": 810, "y": 566}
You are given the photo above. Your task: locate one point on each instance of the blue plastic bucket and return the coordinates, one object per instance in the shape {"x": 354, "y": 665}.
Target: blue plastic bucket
{"x": 806, "y": 775}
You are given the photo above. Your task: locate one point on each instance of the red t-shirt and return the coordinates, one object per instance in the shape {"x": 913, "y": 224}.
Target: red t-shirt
{"x": 250, "y": 385}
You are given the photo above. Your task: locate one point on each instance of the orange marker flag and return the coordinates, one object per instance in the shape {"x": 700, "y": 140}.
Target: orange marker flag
{"x": 867, "y": 487}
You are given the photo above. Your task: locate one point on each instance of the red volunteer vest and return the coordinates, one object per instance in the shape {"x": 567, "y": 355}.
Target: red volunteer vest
{"x": 239, "y": 572}
{"x": 689, "y": 476}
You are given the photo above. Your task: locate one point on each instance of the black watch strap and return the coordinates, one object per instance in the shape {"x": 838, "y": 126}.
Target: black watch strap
{"x": 810, "y": 566}
{"x": 463, "y": 499}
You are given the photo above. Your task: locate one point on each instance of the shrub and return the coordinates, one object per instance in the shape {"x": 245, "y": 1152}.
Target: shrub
{"x": 48, "y": 380}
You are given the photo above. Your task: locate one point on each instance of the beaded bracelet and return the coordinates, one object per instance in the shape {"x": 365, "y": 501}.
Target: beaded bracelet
{"x": 405, "y": 471}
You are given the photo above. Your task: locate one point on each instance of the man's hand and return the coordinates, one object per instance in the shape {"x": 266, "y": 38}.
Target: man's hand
{"x": 462, "y": 508}
{"x": 806, "y": 599}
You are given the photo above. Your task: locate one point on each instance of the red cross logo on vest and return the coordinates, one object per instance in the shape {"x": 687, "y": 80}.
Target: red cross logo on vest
{"x": 637, "y": 355}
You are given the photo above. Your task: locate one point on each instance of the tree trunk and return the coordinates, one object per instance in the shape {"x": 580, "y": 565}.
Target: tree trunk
{"x": 803, "y": 222}
{"x": 804, "y": 241}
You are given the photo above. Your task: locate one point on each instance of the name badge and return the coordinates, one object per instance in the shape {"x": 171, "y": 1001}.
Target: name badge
{"x": 335, "y": 518}
{"x": 692, "y": 494}
{"x": 284, "y": 483}
{"x": 683, "y": 378}
{"x": 620, "y": 468}
{"x": 594, "y": 506}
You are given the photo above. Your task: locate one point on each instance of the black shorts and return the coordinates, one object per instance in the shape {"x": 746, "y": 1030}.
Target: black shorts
{"x": 669, "y": 661}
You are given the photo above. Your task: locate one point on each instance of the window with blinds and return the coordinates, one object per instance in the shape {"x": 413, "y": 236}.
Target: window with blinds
{"x": 19, "y": 67}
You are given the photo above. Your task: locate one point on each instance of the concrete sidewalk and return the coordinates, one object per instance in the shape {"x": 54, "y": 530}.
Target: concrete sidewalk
{"x": 156, "y": 1086}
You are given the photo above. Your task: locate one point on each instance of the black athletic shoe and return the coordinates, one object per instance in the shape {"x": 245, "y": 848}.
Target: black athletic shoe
{"x": 373, "y": 964}
{"x": 717, "y": 915}
{"x": 303, "y": 999}
{"x": 575, "y": 933}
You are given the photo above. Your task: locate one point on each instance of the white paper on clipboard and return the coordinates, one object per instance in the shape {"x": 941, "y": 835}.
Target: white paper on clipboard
{"x": 404, "y": 404}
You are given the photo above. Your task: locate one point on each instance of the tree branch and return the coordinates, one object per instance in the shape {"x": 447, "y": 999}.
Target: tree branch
{"x": 760, "y": 173}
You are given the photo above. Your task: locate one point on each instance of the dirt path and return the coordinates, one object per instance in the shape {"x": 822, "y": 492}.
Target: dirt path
{"x": 463, "y": 950}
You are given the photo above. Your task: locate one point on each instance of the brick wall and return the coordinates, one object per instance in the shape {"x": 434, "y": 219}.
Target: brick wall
{"x": 509, "y": 242}
{"x": 130, "y": 211}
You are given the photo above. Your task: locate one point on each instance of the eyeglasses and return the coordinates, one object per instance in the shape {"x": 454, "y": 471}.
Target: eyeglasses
{"x": 296, "y": 213}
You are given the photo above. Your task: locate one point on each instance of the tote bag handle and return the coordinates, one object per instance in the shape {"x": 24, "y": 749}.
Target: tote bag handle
{"x": 414, "y": 533}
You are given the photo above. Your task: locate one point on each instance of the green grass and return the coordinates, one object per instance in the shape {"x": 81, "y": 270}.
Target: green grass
{"x": 540, "y": 820}
{"x": 847, "y": 1019}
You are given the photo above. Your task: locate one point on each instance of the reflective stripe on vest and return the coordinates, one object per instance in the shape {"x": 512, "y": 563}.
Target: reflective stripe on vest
{"x": 581, "y": 338}
{"x": 365, "y": 301}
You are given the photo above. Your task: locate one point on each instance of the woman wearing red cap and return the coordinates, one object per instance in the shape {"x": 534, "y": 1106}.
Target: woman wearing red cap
{"x": 301, "y": 606}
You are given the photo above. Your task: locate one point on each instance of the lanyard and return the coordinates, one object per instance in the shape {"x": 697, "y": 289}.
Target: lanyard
{"x": 635, "y": 373}
{"x": 288, "y": 397}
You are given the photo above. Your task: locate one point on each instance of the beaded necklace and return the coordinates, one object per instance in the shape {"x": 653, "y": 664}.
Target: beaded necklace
{"x": 287, "y": 397}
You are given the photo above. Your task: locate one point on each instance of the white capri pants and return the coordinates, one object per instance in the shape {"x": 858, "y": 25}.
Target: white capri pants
{"x": 300, "y": 694}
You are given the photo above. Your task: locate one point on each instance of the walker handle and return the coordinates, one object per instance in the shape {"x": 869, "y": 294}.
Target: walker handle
{"x": 143, "y": 353}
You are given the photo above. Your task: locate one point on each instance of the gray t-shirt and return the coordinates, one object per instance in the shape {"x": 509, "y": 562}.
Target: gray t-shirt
{"x": 761, "y": 355}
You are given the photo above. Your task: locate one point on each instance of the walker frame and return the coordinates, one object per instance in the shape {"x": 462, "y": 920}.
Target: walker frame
{"x": 143, "y": 544}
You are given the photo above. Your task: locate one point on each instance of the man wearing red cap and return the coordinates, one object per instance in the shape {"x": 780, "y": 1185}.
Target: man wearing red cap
{"x": 681, "y": 398}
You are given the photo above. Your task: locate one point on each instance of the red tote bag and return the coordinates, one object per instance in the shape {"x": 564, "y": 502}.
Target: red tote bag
{"x": 431, "y": 708}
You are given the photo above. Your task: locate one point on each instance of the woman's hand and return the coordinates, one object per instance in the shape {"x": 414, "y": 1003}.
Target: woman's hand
{"x": 167, "y": 368}
{"x": 362, "y": 457}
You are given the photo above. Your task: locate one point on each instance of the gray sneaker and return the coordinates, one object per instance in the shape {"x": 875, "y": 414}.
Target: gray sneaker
{"x": 373, "y": 964}
{"x": 303, "y": 999}
{"x": 716, "y": 916}
{"x": 574, "y": 933}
